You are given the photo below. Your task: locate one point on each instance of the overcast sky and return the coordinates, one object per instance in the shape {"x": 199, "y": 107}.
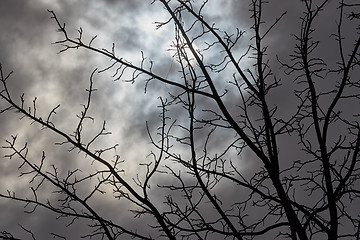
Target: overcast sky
{"x": 26, "y": 38}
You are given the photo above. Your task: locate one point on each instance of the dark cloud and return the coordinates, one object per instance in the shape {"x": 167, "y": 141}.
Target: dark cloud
{"x": 27, "y": 34}
{"x": 25, "y": 47}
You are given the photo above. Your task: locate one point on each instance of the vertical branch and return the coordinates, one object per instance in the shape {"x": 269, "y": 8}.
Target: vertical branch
{"x": 307, "y": 47}
{"x": 270, "y": 136}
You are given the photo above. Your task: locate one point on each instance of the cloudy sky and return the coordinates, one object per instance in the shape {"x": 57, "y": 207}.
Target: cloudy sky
{"x": 26, "y": 38}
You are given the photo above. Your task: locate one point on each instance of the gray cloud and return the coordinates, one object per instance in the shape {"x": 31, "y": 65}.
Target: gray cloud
{"x": 27, "y": 32}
